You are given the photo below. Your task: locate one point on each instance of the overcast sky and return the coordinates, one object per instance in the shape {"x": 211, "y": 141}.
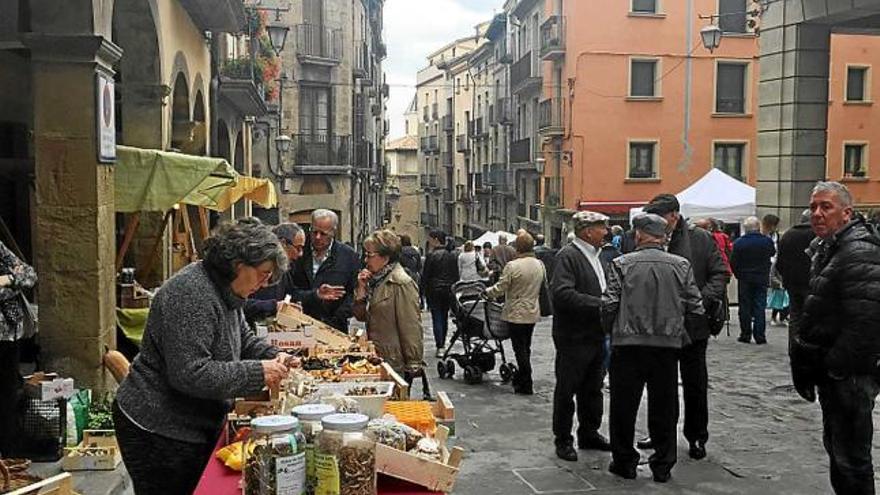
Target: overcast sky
{"x": 415, "y": 28}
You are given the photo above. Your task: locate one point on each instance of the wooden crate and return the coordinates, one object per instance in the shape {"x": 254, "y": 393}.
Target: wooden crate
{"x": 104, "y": 456}
{"x": 444, "y": 412}
{"x": 433, "y": 475}
{"x": 61, "y": 484}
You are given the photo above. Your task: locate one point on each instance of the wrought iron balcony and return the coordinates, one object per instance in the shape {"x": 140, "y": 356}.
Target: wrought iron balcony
{"x": 429, "y": 219}
{"x": 521, "y": 151}
{"x": 502, "y": 113}
{"x": 500, "y": 179}
{"x": 462, "y": 143}
{"x": 321, "y": 153}
{"x": 362, "y": 67}
{"x": 448, "y": 124}
{"x": 525, "y": 73}
{"x": 550, "y": 117}
{"x": 318, "y": 44}
{"x": 446, "y": 159}
{"x": 553, "y": 38}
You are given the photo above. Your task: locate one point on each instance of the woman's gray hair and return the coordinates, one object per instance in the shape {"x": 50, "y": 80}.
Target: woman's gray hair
{"x": 840, "y": 190}
{"x": 247, "y": 241}
{"x": 751, "y": 224}
{"x": 321, "y": 213}
{"x": 386, "y": 243}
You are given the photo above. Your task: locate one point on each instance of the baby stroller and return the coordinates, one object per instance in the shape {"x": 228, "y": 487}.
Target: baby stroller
{"x": 481, "y": 331}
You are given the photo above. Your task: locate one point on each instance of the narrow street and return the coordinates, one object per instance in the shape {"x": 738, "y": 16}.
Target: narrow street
{"x": 764, "y": 438}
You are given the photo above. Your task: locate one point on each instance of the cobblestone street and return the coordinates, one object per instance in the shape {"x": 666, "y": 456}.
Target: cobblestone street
{"x": 764, "y": 438}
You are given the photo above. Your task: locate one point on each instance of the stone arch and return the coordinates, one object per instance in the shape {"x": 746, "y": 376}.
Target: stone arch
{"x": 181, "y": 123}
{"x": 200, "y": 124}
{"x": 223, "y": 149}
{"x": 140, "y": 92}
{"x": 239, "y": 152}
{"x": 315, "y": 184}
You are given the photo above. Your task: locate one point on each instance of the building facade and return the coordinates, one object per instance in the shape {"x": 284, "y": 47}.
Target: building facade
{"x": 402, "y": 191}
{"x": 332, "y": 107}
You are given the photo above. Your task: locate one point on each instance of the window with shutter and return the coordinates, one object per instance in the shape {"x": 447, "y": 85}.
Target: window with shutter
{"x": 730, "y": 93}
{"x": 732, "y": 16}
{"x": 729, "y": 158}
{"x": 855, "y": 83}
{"x": 643, "y": 74}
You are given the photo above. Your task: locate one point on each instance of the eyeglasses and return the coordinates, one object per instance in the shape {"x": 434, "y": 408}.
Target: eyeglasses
{"x": 370, "y": 254}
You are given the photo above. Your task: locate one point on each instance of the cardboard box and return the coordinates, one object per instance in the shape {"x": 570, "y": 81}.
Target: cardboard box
{"x": 48, "y": 386}
{"x": 97, "y": 452}
{"x": 292, "y": 339}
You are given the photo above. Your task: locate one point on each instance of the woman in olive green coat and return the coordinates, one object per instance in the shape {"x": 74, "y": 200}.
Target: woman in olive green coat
{"x": 387, "y": 299}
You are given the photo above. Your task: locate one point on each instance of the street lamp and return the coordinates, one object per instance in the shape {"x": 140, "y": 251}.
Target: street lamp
{"x": 711, "y": 36}
{"x": 277, "y": 37}
{"x": 282, "y": 143}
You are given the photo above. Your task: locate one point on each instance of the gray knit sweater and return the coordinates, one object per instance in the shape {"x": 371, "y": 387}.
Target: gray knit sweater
{"x": 197, "y": 354}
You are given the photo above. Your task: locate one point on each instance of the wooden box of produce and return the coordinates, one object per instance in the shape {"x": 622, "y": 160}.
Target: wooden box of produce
{"x": 97, "y": 452}
{"x": 61, "y": 484}
{"x": 435, "y": 475}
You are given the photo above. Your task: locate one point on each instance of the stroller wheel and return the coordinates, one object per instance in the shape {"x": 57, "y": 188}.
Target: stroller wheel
{"x": 506, "y": 372}
{"x": 472, "y": 375}
{"x": 450, "y": 369}
{"x": 441, "y": 369}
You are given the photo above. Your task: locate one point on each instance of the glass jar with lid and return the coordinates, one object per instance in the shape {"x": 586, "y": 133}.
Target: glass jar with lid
{"x": 274, "y": 457}
{"x": 345, "y": 456}
{"x": 310, "y": 416}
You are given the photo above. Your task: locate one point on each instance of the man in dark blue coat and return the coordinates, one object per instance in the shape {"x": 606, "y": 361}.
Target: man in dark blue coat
{"x": 326, "y": 275}
{"x": 750, "y": 261}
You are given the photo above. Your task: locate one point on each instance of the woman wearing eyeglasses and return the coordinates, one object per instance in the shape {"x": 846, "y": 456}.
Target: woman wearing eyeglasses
{"x": 197, "y": 355}
{"x": 387, "y": 299}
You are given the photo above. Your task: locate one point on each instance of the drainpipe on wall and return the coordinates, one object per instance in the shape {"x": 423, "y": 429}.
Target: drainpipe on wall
{"x": 685, "y": 162}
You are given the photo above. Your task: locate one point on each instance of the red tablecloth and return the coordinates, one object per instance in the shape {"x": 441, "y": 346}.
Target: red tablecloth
{"x": 217, "y": 479}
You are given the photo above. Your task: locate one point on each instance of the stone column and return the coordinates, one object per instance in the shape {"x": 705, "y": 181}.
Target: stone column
{"x": 75, "y": 235}
{"x": 793, "y": 111}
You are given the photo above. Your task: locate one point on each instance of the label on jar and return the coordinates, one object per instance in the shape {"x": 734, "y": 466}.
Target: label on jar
{"x": 327, "y": 472}
{"x": 290, "y": 475}
{"x": 310, "y": 462}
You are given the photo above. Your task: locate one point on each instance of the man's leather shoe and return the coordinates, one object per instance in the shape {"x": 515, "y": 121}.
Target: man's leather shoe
{"x": 595, "y": 442}
{"x": 566, "y": 453}
{"x": 744, "y": 340}
{"x": 697, "y": 450}
{"x": 662, "y": 476}
{"x": 645, "y": 444}
{"x": 624, "y": 472}
{"x": 760, "y": 342}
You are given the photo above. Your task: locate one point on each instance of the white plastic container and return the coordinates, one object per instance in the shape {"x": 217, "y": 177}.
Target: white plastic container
{"x": 371, "y": 405}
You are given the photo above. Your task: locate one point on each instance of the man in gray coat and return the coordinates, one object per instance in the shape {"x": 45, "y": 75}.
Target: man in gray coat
{"x": 651, "y": 298}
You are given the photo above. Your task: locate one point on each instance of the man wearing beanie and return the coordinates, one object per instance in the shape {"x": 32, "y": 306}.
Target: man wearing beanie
{"x": 697, "y": 246}
{"x": 651, "y": 301}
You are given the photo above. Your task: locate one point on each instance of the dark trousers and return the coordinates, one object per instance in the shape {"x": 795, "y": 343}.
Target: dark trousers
{"x": 848, "y": 431}
{"x": 10, "y": 387}
{"x": 752, "y": 310}
{"x": 159, "y": 465}
{"x": 633, "y": 367}
{"x": 521, "y": 339}
{"x": 695, "y": 385}
{"x": 796, "y": 312}
{"x": 439, "y": 305}
{"x": 578, "y": 376}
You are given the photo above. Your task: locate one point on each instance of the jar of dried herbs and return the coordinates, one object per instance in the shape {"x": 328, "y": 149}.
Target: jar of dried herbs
{"x": 345, "y": 457}
{"x": 274, "y": 457}
{"x": 310, "y": 416}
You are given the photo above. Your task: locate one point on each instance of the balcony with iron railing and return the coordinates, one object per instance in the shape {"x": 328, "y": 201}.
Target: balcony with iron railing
{"x": 521, "y": 151}
{"x": 321, "y": 153}
{"x": 553, "y": 38}
{"x": 462, "y": 143}
{"x": 430, "y": 219}
{"x": 433, "y": 144}
{"x": 318, "y": 44}
{"x": 447, "y": 123}
{"x": 502, "y": 113}
{"x": 241, "y": 83}
{"x": 500, "y": 179}
{"x": 428, "y": 181}
{"x": 362, "y": 67}
{"x": 449, "y": 194}
{"x": 525, "y": 74}
{"x": 479, "y": 130}
{"x": 446, "y": 159}
{"x": 553, "y": 188}
{"x": 550, "y": 117}
{"x": 462, "y": 194}
{"x": 434, "y": 114}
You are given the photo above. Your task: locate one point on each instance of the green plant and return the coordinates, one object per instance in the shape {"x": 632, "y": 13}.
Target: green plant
{"x": 100, "y": 414}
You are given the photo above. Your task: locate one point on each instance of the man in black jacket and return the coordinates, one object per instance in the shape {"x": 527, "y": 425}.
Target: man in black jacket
{"x": 438, "y": 275}
{"x": 697, "y": 246}
{"x": 326, "y": 275}
{"x": 793, "y": 265}
{"x": 545, "y": 254}
{"x": 577, "y": 286}
{"x": 838, "y": 345}
{"x": 264, "y": 303}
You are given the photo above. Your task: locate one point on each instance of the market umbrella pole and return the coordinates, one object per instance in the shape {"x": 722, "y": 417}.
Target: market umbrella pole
{"x": 130, "y": 229}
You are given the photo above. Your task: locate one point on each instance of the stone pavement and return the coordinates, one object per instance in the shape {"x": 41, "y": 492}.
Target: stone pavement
{"x": 764, "y": 439}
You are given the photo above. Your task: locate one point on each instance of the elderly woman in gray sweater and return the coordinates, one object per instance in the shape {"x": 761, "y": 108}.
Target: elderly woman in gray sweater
{"x": 197, "y": 355}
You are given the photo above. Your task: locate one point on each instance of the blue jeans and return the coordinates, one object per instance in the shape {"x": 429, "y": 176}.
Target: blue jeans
{"x": 440, "y": 325}
{"x": 752, "y": 310}
{"x": 848, "y": 431}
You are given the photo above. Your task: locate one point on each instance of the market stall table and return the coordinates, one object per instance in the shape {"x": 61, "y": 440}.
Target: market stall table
{"x": 217, "y": 479}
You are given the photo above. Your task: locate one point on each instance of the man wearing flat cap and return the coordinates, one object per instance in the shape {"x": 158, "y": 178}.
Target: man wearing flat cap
{"x": 577, "y": 286}
{"x": 697, "y": 246}
{"x": 651, "y": 299}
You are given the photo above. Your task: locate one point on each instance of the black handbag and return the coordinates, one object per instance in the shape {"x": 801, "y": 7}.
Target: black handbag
{"x": 544, "y": 300}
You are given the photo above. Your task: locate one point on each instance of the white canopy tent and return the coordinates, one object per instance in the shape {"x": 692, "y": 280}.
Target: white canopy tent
{"x": 715, "y": 195}
{"x": 492, "y": 237}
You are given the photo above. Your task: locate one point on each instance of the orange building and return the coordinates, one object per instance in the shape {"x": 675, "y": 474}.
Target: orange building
{"x": 853, "y": 124}
{"x": 634, "y": 105}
